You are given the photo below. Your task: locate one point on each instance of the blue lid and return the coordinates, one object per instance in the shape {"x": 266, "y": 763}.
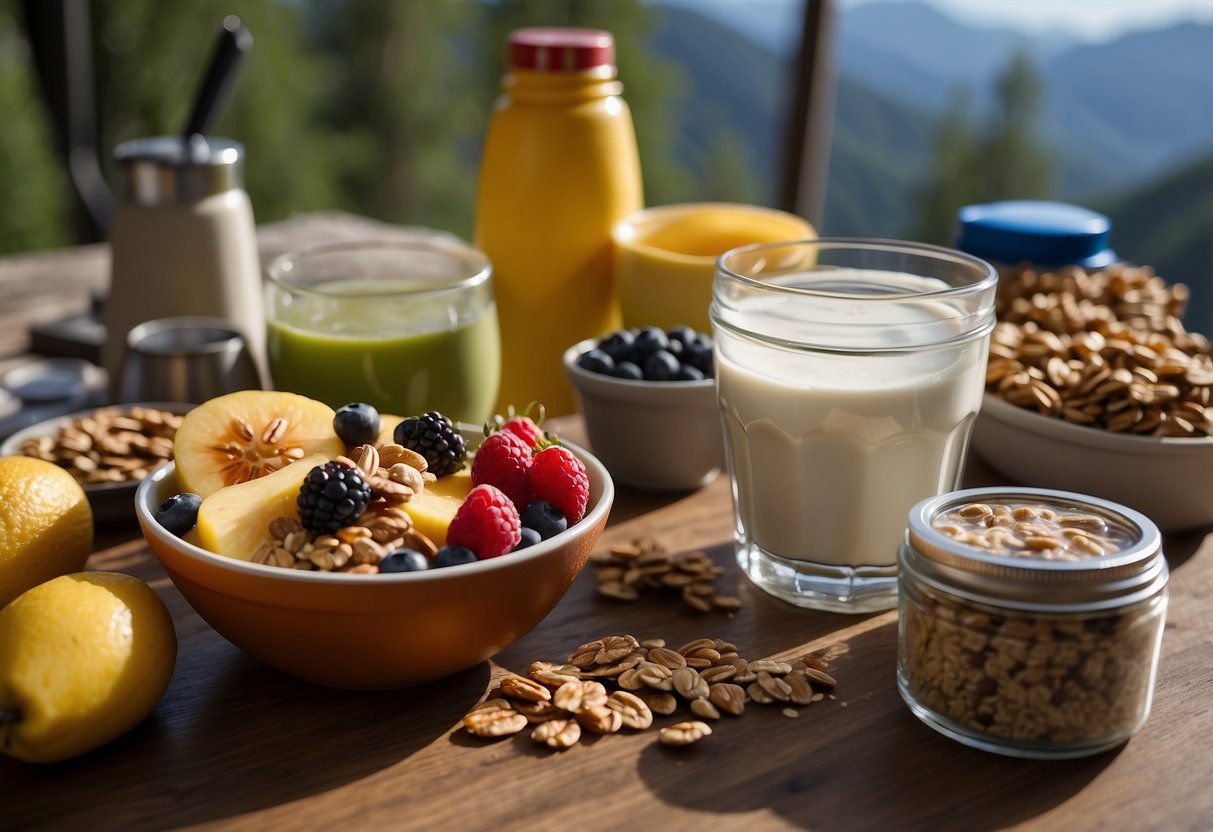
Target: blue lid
{"x": 1044, "y": 233}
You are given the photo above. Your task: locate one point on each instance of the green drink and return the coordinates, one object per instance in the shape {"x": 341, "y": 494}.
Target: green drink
{"x": 406, "y": 326}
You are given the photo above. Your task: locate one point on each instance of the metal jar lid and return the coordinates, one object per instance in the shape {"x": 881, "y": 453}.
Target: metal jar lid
{"x": 1135, "y": 572}
{"x": 169, "y": 170}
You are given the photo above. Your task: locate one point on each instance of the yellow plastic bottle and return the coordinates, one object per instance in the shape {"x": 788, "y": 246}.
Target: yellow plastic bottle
{"x": 560, "y": 168}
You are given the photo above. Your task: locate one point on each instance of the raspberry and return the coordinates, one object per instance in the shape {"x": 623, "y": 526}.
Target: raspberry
{"x": 504, "y": 461}
{"x": 487, "y": 523}
{"x": 524, "y": 428}
{"x": 560, "y": 478}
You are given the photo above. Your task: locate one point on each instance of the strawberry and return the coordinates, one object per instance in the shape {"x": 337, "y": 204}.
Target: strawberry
{"x": 560, "y": 478}
{"x": 504, "y": 461}
{"x": 487, "y": 523}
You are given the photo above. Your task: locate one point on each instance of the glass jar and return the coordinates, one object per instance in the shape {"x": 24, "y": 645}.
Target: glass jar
{"x": 1031, "y": 620}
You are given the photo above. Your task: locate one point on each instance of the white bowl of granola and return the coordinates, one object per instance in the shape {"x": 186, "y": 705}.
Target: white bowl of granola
{"x": 1169, "y": 479}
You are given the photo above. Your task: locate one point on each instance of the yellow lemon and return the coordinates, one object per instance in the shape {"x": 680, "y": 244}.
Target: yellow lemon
{"x": 46, "y": 524}
{"x": 83, "y": 659}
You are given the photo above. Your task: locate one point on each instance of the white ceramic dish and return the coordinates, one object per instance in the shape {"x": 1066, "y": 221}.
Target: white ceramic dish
{"x": 652, "y": 435}
{"x": 111, "y": 501}
{"x": 1168, "y": 480}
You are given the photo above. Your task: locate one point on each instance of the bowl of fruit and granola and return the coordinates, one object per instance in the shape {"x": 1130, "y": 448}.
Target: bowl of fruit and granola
{"x": 367, "y": 552}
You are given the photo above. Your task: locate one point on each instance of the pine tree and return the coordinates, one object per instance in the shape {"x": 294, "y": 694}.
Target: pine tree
{"x": 1002, "y": 158}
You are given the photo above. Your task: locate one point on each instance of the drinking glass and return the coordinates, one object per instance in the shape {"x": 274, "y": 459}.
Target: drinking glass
{"x": 405, "y": 325}
{"x": 849, "y": 374}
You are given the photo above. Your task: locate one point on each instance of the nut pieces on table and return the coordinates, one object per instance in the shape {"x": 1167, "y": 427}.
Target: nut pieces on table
{"x": 626, "y": 570}
{"x": 619, "y": 682}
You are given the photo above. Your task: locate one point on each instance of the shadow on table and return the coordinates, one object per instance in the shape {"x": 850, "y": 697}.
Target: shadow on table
{"x": 862, "y": 761}
{"x": 251, "y": 759}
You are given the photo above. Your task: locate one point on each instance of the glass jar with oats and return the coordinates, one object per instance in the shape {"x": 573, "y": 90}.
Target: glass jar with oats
{"x": 1030, "y": 619}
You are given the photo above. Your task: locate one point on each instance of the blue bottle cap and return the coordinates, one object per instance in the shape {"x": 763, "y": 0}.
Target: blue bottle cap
{"x": 1044, "y": 233}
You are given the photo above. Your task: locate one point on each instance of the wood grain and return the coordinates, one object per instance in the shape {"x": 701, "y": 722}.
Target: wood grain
{"x": 234, "y": 744}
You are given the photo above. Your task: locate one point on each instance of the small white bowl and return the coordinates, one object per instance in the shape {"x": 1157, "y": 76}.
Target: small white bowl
{"x": 1170, "y": 480}
{"x": 651, "y": 435}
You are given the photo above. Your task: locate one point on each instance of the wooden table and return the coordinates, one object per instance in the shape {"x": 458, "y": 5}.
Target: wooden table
{"x": 236, "y": 744}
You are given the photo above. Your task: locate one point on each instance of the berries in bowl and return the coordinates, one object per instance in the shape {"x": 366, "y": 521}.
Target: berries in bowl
{"x": 648, "y": 397}
{"x": 411, "y": 585}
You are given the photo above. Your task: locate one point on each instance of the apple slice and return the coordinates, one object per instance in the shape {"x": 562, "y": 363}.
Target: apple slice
{"x": 241, "y": 436}
{"x": 234, "y": 521}
{"x": 432, "y": 509}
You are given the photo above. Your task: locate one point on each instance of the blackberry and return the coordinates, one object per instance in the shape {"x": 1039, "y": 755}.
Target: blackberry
{"x": 434, "y": 437}
{"x": 332, "y": 495}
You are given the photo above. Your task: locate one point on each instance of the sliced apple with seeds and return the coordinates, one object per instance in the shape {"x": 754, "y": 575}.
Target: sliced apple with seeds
{"x": 235, "y": 521}
{"x": 245, "y": 435}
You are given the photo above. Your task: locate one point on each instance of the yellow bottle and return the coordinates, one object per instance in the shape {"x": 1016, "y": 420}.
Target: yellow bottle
{"x": 560, "y": 168}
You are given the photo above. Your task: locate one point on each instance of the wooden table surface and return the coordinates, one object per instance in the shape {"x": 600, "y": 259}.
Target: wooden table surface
{"x": 236, "y": 744}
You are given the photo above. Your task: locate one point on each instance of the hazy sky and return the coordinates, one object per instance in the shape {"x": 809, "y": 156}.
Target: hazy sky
{"x": 1088, "y": 19}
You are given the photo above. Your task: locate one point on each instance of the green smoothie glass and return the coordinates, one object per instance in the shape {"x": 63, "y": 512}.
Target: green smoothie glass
{"x": 405, "y": 325}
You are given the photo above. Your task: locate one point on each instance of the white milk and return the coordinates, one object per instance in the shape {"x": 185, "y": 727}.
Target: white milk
{"x": 830, "y": 450}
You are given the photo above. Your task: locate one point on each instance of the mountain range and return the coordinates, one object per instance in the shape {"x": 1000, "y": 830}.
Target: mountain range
{"x": 1125, "y": 121}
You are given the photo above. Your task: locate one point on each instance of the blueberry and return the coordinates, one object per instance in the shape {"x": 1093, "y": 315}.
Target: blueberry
{"x": 404, "y": 560}
{"x": 648, "y": 340}
{"x": 529, "y": 538}
{"x": 688, "y": 373}
{"x": 660, "y": 366}
{"x": 357, "y": 424}
{"x": 179, "y": 513}
{"x": 544, "y": 518}
{"x": 596, "y": 361}
{"x": 681, "y": 335}
{"x": 453, "y": 556}
{"x": 698, "y": 353}
{"x": 629, "y": 371}
{"x": 618, "y": 344}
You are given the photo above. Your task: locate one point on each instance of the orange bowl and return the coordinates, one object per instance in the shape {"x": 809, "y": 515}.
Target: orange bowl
{"x": 376, "y": 631}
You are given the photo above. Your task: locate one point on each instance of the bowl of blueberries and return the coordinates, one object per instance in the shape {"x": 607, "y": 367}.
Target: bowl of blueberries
{"x": 648, "y": 397}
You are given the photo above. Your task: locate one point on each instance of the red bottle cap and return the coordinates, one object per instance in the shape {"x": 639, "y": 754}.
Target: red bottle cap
{"x": 561, "y": 50}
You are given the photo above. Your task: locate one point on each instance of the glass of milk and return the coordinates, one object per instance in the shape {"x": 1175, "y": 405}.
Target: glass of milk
{"x": 849, "y": 373}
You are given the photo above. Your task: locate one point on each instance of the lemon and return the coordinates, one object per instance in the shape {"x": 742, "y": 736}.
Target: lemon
{"x": 83, "y": 659}
{"x": 46, "y": 524}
